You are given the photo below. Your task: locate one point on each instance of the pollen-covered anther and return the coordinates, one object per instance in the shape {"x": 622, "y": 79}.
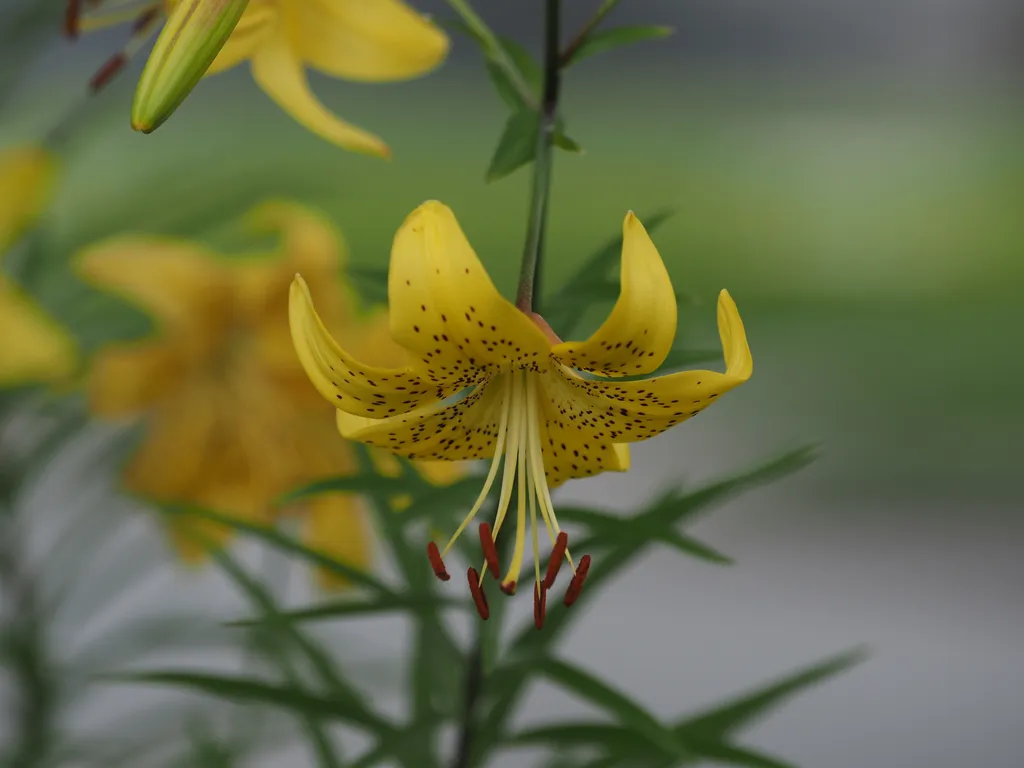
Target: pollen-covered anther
{"x": 540, "y": 604}
{"x": 490, "y": 551}
{"x": 479, "y": 597}
{"x": 576, "y": 585}
{"x": 555, "y": 561}
{"x": 508, "y": 587}
{"x": 436, "y": 562}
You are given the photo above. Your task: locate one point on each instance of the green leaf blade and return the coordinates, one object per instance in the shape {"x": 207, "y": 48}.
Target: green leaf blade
{"x": 601, "y": 42}
{"x": 516, "y": 147}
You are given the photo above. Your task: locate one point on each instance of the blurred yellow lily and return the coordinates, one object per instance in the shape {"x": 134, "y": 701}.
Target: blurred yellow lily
{"x": 524, "y": 405}
{"x": 233, "y": 420}
{"x": 33, "y": 347}
{"x": 362, "y": 40}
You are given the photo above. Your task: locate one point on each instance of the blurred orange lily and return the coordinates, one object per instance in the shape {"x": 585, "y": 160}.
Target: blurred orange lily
{"x": 361, "y": 40}
{"x": 233, "y": 421}
{"x": 33, "y": 347}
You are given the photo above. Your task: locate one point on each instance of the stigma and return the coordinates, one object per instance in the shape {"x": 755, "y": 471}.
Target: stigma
{"x": 519, "y": 456}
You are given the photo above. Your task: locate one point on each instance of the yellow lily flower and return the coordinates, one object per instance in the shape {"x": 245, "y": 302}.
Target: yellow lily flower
{"x": 233, "y": 421}
{"x": 361, "y": 40}
{"x": 523, "y": 404}
{"x": 33, "y": 347}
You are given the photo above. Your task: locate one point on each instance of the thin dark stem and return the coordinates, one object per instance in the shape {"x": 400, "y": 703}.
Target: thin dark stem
{"x": 529, "y": 273}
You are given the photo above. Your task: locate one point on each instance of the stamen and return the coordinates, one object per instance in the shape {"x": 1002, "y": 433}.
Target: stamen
{"x": 142, "y": 30}
{"x": 508, "y": 587}
{"x": 436, "y": 562}
{"x": 540, "y": 604}
{"x": 576, "y": 585}
{"x": 555, "y": 561}
{"x": 479, "y": 597}
{"x": 106, "y": 73}
{"x": 72, "y": 15}
{"x": 519, "y": 422}
{"x": 490, "y": 551}
{"x": 499, "y": 448}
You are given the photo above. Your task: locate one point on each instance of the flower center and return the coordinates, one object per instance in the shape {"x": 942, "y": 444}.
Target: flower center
{"x": 518, "y": 452}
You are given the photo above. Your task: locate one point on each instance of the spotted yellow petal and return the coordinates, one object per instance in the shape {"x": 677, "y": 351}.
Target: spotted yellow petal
{"x": 462, "y": 431}
{"x": 127, "y": 378}
{"x": 34, "y": 347}
{"x": 638, "y": 334}
{"x": 343, "y": 381}
{"x": 572, "y": 453}
{"x": 358, "y": 40}
{"x": 26, "y": 178}
{"x": 445, "y": 309}
{"x": 627, "y": 412}
{"x": 336, "y": 525}
{"x": 177, "y": 281}
{"x": 280, "y": 74}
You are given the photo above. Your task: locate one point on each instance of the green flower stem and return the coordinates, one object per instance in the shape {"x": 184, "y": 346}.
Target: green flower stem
{"x": 529, "y": 274}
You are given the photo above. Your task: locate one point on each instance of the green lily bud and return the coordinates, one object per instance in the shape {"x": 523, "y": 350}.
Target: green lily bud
{"x": 195, "y": 32}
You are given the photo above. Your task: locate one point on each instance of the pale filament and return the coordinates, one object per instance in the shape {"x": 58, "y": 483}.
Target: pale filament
{"x": 518, "y": 449}
{"x": 113, "y": 14}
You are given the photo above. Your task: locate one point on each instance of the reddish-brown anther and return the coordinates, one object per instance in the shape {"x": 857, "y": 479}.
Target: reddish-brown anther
{"x": 540, "y": 604}
{"x": 107, "y": 71}
{"x": 508, "y": 587}
{"x": 555, "y": 561}
{"x": 576, "y": 585}
{"x": 436, "y": 562}
{"x": 490, "y": 551}
{"x": 72, "y": 14}
{"x": 479, "y": 597}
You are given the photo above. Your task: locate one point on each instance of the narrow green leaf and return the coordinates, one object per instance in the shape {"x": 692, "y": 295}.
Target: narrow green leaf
{"x": 524, "y": 62}
{"x": 530, "y": 644}
{"x": 599, "y": 42}
{"x": 246, "y": 689}
{"x": 562, "y": 141}
{"x": 724, "y": 720}
{"x": 287, "y": 544}
{"x": 610, "y": 530}
{"x": 493, "y": 48}
{"x": 363, "y": 483}
{"x": 516, "y": 147}
{"x": 599, "y": 693}
{"x": 354, "y": 608}
{"x": 505, "y": 87}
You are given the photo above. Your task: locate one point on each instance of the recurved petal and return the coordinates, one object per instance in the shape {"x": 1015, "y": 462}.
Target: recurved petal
{"x": 336, "y": 525}
{"x": 34, "y": 347}
{"x": 462, "y": 431}
{"x": 127, "y": 378}
{"x": 174, "y": 279}
{"x": 343, "y": 381}
{"x": 638, "y": 334}
{"x": 280, "y": 74}
{"x": 370, "y": 41}
{"x": 445, "y": 309}
{"x": 630, "y": 411}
